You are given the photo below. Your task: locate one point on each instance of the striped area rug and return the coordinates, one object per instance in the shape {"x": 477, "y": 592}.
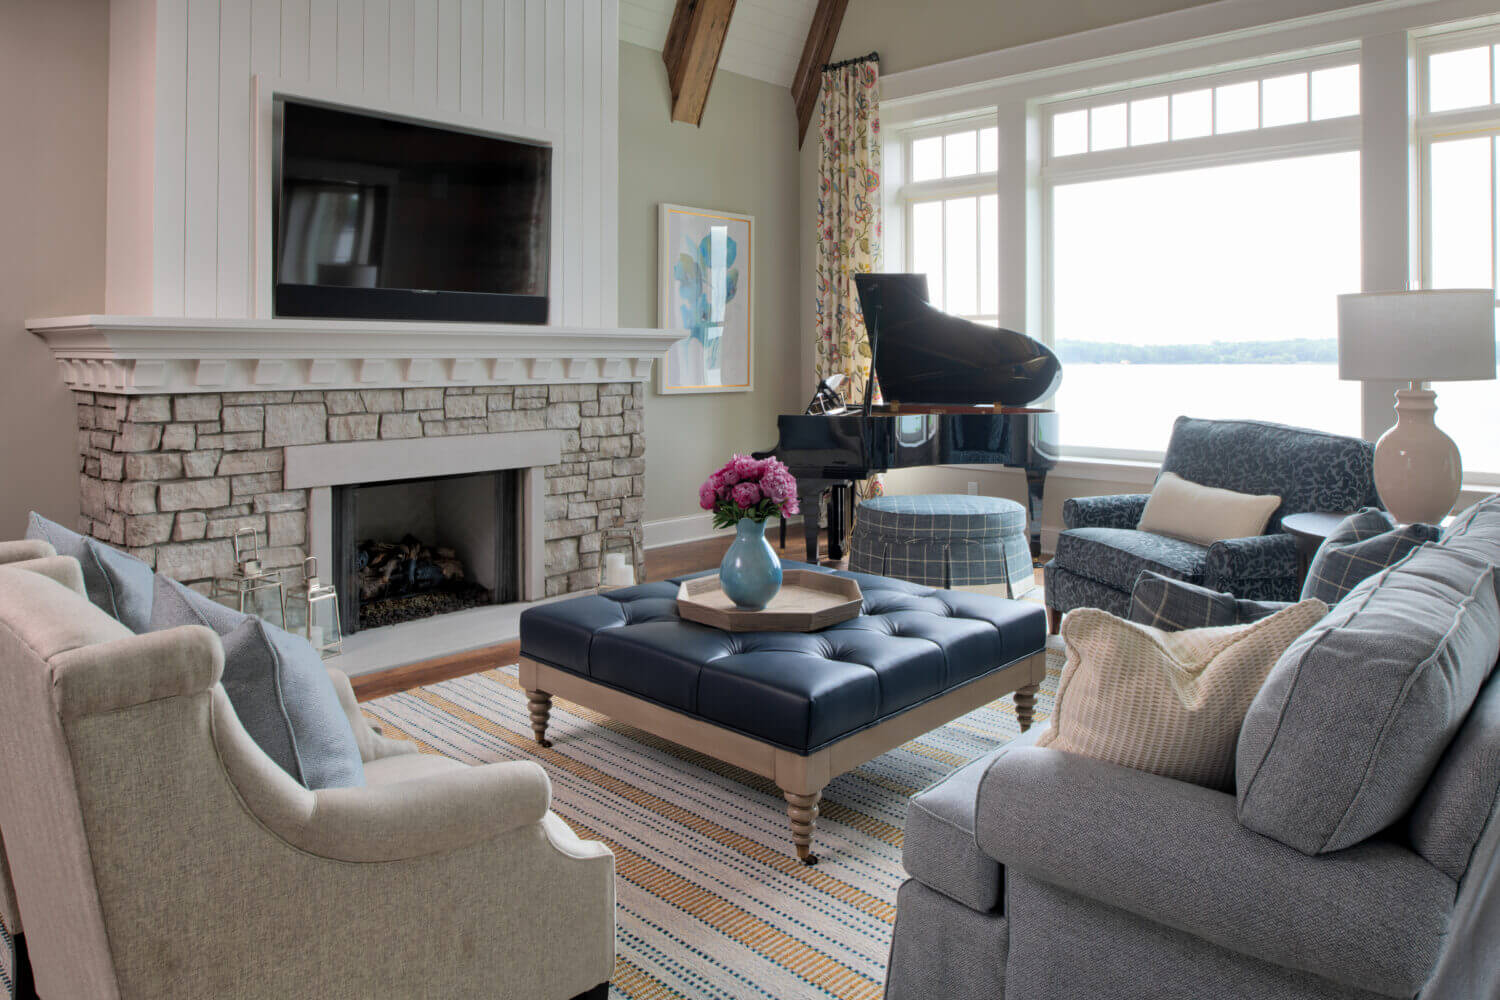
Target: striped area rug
{"x": 712, "y": 902}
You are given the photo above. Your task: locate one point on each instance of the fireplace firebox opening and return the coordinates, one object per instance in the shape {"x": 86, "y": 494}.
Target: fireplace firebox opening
{"x": 416, "y": 548}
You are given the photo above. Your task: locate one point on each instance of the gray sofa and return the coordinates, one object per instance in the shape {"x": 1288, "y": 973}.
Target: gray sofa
{"x": 1035, "y": 873}
{"x": 1100, "y": 553}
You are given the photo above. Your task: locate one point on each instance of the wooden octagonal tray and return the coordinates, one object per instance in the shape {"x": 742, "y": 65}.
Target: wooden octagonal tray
{"x": 807, "y": 601}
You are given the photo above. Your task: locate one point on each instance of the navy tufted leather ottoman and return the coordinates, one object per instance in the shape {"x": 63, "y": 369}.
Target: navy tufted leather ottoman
{"x": 799, "y": 708}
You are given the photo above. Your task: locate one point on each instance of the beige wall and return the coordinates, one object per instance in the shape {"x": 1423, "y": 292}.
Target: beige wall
{"x": 53, "y": 98}
{"x": 742, "y": 159}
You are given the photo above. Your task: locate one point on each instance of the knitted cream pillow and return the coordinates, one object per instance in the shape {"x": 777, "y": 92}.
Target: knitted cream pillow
{"x": 1166, "y": 702}
{"x": 1183, "y": 509}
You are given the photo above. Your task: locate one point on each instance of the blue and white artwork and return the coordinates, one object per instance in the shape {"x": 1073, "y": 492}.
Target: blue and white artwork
{"x": 706, "y": 292}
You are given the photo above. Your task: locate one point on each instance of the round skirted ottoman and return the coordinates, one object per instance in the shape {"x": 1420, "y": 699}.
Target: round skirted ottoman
{"x": 945, "y": 541}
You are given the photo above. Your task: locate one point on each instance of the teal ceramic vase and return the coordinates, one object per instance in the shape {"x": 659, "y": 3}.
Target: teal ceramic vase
{"x": 750, "y": 573}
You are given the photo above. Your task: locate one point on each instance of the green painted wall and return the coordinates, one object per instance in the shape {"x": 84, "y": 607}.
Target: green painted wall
{"x": 743, "y": 159}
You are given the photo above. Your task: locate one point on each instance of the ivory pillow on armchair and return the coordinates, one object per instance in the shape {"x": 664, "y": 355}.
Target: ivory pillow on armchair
{"x": 1204, "y": 514}
{"x": 1170, "y": 703}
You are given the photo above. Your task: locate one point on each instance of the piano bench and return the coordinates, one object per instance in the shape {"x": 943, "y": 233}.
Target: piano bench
{"x": 953, "y": 541}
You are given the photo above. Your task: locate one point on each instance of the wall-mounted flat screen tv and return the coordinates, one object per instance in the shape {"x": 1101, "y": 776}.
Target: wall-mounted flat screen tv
{"x": 383, "y": 218}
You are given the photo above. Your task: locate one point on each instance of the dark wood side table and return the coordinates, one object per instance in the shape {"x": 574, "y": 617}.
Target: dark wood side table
{"x": 1309, "y": 529}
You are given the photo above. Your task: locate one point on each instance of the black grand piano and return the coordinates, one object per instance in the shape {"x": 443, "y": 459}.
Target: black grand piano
{"x": 956, "y": 393}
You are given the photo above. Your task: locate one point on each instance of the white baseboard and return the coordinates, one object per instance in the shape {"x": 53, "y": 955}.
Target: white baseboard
{"x": 694, "y": 528}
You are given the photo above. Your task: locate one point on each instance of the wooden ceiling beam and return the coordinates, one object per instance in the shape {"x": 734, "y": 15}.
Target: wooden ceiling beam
{"x": 821, "y": 35}
{"x": 694, "y": 42}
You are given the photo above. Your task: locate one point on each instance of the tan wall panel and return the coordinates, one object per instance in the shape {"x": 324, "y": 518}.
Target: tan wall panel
{"x": 54, "y": 65}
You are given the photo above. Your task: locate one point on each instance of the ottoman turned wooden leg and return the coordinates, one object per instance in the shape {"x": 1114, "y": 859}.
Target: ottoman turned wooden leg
{"x": 803, "y": 812}
{"x": 540, "y": 703}
{"x": 1025, "y": 699}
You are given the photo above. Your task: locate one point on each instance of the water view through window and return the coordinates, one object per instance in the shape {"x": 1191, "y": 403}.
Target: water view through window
{"x": 1208, "y": 292}
{"x": 1462, "y": 254}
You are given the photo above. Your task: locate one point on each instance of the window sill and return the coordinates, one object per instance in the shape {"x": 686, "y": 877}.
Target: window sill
{"x": 1113, "y": 470}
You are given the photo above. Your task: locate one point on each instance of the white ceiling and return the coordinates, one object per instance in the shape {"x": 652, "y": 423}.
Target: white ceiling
{"x": 765, "y": 36}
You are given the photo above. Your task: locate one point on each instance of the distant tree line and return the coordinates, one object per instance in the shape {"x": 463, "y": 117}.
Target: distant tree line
{"x": 1219, "y": 352}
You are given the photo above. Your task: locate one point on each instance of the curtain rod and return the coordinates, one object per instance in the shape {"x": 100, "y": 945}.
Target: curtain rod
{"x": 872, "y": 57}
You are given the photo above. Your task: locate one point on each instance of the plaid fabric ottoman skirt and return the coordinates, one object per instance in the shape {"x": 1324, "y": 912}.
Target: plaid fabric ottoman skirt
{"x": 944, "y": 541}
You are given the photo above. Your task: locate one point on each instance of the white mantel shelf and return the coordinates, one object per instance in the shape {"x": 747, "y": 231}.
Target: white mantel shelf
{"x": 150, "y": 355}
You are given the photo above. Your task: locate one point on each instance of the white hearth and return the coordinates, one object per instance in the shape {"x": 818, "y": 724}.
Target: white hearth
{"x": 374, "y": 650}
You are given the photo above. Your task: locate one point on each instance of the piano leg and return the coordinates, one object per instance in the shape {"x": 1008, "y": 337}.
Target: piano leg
{"x": 849, "y": 501}
{"x": 1036, "y": 484}
{"x": 810, "y": 499}
{"x": 836, "y": 522}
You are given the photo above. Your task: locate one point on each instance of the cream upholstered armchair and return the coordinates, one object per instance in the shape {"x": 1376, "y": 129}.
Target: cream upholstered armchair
{"x": 15, "y": 972}
{"x": 158, "y": 852}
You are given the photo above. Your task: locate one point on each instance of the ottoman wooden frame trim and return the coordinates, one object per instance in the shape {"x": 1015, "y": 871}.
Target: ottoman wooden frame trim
{"x": 801, "y": 777}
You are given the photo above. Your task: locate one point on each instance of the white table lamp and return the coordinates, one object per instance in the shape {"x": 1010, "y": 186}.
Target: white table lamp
{"x": 1417, "y": 337}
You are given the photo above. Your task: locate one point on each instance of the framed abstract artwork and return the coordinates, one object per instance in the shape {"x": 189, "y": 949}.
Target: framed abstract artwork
{"x": 707, "y": 287}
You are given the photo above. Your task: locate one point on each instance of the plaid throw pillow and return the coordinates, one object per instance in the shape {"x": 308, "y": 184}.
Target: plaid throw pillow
{"x": 1363, "y": 544}
{"x": 1173, "y": 605}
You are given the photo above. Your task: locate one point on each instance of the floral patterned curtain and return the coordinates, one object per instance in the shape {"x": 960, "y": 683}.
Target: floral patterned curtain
{"x": 849, "y": 222}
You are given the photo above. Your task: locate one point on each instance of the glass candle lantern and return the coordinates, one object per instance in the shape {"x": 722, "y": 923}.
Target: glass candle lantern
{"x": 252, "y": 589}
{"x": 617, "y": 558}
{"x": 314, "y": 610}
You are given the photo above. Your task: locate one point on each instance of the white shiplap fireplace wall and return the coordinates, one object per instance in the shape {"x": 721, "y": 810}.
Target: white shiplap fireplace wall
{"x": 183, "y": 111}
{"x": 191, "y": 85}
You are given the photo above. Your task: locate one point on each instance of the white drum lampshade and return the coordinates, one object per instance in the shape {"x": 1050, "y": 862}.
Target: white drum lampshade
{"x": 1442, "y": 335}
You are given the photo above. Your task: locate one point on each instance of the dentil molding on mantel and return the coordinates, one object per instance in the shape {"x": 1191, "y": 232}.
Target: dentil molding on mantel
{"x": 147, "y": 355}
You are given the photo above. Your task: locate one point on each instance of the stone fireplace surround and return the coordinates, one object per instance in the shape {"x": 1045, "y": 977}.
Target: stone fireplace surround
{"x": 171, "y": 478}
{"x": 191, "y": 429}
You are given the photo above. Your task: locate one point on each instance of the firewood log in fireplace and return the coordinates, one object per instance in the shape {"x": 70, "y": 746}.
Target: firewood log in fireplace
{"x": 393, "y": 569}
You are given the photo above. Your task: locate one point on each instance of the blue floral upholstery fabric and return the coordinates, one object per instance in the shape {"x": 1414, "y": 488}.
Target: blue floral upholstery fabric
{"x": 1116, "y": 556}
{"x": 1066, "y": 591}
{"x": 1262, "y": 568}
{"x": 1121, "y": 511}
{"x": 1310, "y": 470}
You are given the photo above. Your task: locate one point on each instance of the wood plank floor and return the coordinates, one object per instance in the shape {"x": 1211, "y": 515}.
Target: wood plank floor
{"x": 661, "y": 564}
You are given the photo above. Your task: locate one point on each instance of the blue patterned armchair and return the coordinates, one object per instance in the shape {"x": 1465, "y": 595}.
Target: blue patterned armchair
{"x": 1100, "y": 553}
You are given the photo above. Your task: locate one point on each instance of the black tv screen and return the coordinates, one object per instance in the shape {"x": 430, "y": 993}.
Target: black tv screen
{"x": 380, "y": 218}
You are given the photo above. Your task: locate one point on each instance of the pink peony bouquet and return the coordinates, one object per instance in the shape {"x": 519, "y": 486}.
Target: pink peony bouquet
{"x": 756, "y": 488}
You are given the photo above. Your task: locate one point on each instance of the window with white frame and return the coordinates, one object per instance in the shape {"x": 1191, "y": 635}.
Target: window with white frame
{"x": 952, "y": 217}
{"x": 1196, "y": 235}
{"x": 1458, "y": 136}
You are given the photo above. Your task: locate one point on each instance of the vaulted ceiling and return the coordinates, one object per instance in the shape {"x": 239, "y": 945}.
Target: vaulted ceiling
{"x": 765, "y": 37}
